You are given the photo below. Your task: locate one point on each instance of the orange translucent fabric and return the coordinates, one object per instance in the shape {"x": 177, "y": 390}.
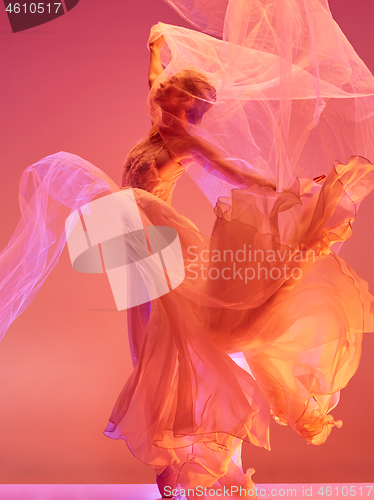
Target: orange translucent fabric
{"x": 187, "y": 403}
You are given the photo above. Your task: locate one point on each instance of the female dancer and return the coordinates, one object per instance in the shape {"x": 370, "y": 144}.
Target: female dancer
{"x": 154, "y": 165}
{"x": 297, "y": 312}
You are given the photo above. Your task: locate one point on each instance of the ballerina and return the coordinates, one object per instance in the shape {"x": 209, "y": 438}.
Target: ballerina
{"x": 153, "y": 165}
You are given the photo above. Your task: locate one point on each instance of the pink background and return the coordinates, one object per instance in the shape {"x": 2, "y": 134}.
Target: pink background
{"x": 79, "y": 84}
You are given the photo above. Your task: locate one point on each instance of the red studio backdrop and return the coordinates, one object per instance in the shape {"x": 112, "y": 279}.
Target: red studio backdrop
{"x": 78, "y": 83}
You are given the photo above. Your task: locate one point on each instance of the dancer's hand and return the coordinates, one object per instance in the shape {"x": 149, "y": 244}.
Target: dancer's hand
{"x": 268, "y": 184}
{"x": 158, "y": 43}
{"x": 156, "y": 38}
{"x": 261, "y": 182}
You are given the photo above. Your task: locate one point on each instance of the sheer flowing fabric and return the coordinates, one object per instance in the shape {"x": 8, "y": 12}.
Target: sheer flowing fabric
{"x": 292, "y": 94}
{"x": 294, "y": 105}
{"x": 187, "y": 403}
{"x": 49, "y": 191}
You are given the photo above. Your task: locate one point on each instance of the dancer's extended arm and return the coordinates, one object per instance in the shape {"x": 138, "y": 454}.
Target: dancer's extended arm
{"x": 186, "y": 146}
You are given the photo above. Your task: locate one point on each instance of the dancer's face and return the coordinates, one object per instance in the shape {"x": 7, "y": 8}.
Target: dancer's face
{"x": 172, "y": 97}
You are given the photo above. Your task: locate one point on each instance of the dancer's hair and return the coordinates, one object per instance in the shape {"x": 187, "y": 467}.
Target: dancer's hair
{"x": 197, "y": 85}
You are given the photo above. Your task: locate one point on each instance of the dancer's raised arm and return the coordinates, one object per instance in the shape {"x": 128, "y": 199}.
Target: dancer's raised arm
{"x": 155, "y": 65}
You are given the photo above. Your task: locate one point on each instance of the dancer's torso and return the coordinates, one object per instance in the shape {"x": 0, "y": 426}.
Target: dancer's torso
{"x": 151, "y": 166}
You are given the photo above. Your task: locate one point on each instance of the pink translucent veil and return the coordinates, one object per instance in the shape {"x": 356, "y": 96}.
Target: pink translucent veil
{"x": 292, "y": 94}
{"x": 49, "y": 191}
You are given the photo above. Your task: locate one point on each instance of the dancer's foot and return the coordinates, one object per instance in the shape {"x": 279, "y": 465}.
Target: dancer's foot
{"x": 166, "y": 482}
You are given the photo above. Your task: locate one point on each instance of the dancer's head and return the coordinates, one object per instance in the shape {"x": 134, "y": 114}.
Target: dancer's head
{"x": 187, "y": 94}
